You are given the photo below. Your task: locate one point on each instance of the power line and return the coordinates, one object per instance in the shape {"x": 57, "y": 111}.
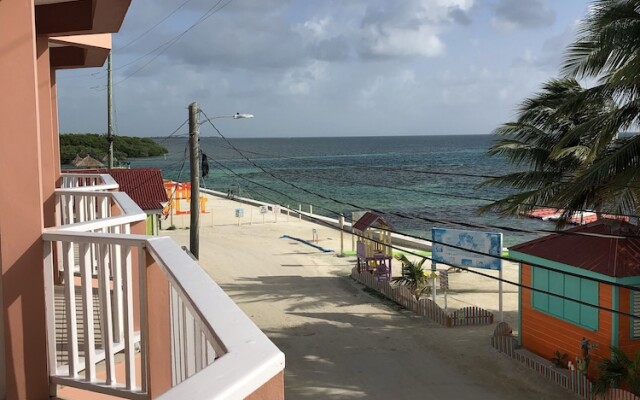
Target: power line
{"x": 166, "y": 45}
{"x": 152, "y": 27}
{"x": 431, "y": 172}
{"x": 430, "y": 220}
{"x": 632, "y": 288}
{"x": 517, "y": 284}
{"x": 269, "y": 173}
{"x": 523, "y": 286}
{"x": 597, "y": 306}
{"x": 264, "y": 186}
{"x": 404, "y": 189}
{"x": 175, "y": 131}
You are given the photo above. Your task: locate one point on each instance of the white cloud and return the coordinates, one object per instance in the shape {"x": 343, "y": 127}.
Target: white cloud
{"x": 375, "y": 66}
{"x": 394, "y": 42}
{"x": 512, "y": 15}
{"x": 301, "y": 80}
{"x": 408, "y": 28}
{"x": 317, "y": 27}
{"x": 374, "y": 93}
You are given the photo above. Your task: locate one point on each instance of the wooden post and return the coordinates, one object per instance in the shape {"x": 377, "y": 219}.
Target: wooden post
{"x": 353, "y": 237}
{"x": 109, "y": 113}
{"x": 341, "y": 235}
{"x": 194, "y": 128}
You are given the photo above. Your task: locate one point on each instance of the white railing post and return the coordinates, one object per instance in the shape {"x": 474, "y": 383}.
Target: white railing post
{"x": 87, "y": 314}
{"x": 202, "y": 347}
{"x": 105, "y": 313}
{"x": 70, "y": 307}
{"x": 129, "y": 351}
{"x": 116, "y": 271}
{"x": 197, "y": 345}
{"x": 186, "y": 334}
{"x": 50, "y": 305}
{"x": 144, "y": 318}
{"x": 175, "y": 355}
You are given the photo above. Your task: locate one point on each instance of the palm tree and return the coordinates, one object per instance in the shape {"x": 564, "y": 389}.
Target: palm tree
{"x": 413, "y": 276}
{"x": 566, "y": 137}
{"x": 554, "y": 145}
{"x": 608, "y": 49}
{"x": 618, "y": 371}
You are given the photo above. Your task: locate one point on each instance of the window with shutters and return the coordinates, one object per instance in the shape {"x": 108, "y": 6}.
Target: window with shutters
{"x": 569, "y": 287}
{"x": 635, "y": 309}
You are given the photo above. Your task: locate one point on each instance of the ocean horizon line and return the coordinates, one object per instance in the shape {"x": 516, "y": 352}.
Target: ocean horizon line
{"x": 322, "y": 137}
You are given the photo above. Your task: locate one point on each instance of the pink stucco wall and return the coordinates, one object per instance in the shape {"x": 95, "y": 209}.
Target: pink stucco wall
{"x": 21, "y": 217}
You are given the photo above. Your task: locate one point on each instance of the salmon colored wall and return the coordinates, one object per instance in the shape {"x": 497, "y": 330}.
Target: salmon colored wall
{"x": 159, "y": 330}
{"x": 272, "y": 390}
{"x": 46, "y": 133}
{"x": 543, "y": 334}
{"x": 629, "y": 345}
{"x": 21, "y": 248}
{"x": 56, "y": 128}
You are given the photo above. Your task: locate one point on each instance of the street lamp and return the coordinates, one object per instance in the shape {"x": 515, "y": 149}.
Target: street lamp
{"x": 234, "y": 116}
{"x": 194, "y": 153}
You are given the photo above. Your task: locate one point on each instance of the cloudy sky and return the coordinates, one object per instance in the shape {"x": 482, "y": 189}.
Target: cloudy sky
{"x": 324, "y": 67}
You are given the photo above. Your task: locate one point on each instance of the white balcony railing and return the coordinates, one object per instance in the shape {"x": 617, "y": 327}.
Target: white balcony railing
{"x": 98, "y": 320}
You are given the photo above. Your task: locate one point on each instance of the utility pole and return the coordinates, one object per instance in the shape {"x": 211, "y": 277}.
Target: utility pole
{"x": 109, "y": 114}
{"x": 194, "y": 158}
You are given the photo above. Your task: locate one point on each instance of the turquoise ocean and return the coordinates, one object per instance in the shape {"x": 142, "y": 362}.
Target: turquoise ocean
{"x": 418, "y": 181}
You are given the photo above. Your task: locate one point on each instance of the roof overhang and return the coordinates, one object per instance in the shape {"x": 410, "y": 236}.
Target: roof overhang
{"x": 79, "y": 17}
{"x": 80, "y": 51}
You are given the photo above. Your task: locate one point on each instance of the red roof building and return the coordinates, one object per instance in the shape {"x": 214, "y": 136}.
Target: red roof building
{"x": 144, "y": 185}
{"x": 577, "y": 288}
{"x": 607, "y": 247}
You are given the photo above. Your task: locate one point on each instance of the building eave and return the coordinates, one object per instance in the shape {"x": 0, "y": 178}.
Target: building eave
{"x": 79, "y": 17}
{"x": 79, "y": 51}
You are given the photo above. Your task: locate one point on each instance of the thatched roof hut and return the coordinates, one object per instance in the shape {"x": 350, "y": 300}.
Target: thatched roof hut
{"x": 88, "y": 162}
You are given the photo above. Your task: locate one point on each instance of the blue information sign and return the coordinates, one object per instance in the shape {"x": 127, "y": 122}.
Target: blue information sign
{"x": 450, "y": 246}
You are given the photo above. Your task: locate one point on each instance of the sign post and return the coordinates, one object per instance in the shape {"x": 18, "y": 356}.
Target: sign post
{"x": 239, "y": 214}
{"x": 444, "y": 285}
{"x": 276, "y": 211}
{"x": 469, "y": 249}
{"x": 263, "y": 211}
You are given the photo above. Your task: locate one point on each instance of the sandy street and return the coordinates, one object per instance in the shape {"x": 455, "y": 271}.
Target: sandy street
{"x": 341, "y": 341}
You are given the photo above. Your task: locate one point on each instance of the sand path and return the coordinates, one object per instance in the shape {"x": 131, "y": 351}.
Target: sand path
{"x": 340, "y": 341}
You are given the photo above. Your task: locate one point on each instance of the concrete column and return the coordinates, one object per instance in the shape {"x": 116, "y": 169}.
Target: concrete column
{"x": 21, "y": 217}
{"x": 56, "y": 127}
{"x": 47, "y": 133}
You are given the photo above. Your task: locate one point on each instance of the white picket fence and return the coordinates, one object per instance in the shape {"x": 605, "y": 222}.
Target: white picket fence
{"x": 466, "y": 316}
{"x": 572, "y": 380}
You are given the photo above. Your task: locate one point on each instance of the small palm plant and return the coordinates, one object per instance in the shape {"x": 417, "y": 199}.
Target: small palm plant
{"x": 618, "y": 371}
{"x": 413, "y": 276}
